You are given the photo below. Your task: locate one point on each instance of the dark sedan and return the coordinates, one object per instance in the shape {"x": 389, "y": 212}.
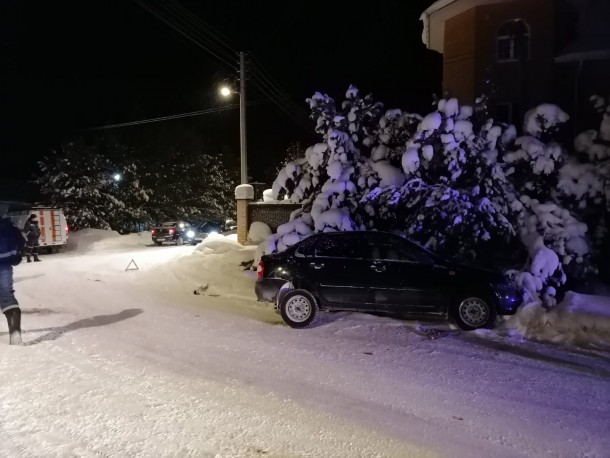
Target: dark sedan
{"x": 178, "y": 232}
{"x": 382, "y": 273}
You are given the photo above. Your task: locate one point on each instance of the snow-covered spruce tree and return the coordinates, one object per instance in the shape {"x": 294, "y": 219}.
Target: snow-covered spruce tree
{"x": 455, "y": 180}
{"x": 554, "y": 235}
{"x": 330, "y": 179}
{"x": 80, "y": 180}
{"x": 456, "y": 196}
{"x": 195, "y": 187}
{"x": 584, "y": 183}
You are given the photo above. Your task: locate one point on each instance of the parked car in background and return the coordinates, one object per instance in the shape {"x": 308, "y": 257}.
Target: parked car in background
{"x": 382, "y": 273}
{"x": 202, "y": 230}
{"x": 178, "y": 232}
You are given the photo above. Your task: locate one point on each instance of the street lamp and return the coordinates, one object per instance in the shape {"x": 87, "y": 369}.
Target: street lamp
{"x": 117, "y": 177}
{"x": 226, "y": 91}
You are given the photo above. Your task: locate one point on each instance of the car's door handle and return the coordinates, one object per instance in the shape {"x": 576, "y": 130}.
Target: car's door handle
{"x": 316, "y": 265}
{"x": 378, "y": 268}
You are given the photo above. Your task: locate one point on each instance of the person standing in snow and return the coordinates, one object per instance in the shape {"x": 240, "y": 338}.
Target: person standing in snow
{"x": 32, "y": 233}
{"x": 11, "y": 252}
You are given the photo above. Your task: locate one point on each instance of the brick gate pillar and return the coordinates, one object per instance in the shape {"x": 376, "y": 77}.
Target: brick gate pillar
{"x": 244, "y": 194}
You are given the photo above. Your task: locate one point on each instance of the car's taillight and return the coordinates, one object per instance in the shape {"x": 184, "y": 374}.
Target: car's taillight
{"x": 260, "y": 270}
{"x": 67, "y": 228}
{"x": 171, "y": 232}
{"x": 153, "y": 232}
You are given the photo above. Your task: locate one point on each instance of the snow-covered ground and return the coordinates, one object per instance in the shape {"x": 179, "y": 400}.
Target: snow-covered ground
{"x": 133, "y": 363}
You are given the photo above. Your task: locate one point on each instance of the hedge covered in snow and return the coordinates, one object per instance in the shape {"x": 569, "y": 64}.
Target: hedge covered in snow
{"x": 458, "y": 182}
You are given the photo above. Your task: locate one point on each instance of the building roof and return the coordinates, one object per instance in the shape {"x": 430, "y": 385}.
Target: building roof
{"x": 435, "y": 15}
{"x": 593, "y": 35}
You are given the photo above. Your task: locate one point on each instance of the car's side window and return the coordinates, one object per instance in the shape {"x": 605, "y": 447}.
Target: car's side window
{"x": 395, "y": 249}
{"x": 387, "y": 251}
{"x": 306, "y": 248}
{"x": 343, "y": 246}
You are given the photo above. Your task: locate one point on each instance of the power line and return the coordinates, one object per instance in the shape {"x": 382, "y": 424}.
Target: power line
{"x": 206, "y": 37}
{"x": 159, "y": 15}
{"x": 170, "y": 117}
{"x": 222, "y": 39}
{"x": 200, "y": 31}
{"x": 262, "y": 78}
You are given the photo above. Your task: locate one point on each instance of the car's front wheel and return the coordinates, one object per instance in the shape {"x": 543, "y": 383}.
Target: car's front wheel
{"x": 474, "y": 313}
{"x": 180, "y": 241}
{"x": 298, "y": 308}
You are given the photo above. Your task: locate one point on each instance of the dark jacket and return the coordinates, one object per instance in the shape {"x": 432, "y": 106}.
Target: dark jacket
{"x": 31, "y": 229}
{"x": 11, "y": 243}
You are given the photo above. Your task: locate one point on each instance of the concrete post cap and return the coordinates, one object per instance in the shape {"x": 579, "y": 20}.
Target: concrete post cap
{"x": 244, "y": 192}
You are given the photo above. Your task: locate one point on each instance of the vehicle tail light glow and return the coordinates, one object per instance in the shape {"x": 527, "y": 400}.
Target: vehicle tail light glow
{"x": 260, "y": 270}
{"x": 153, "y": 232}
{"x": 171, "y": 232}
{"x": 67, "y": 228}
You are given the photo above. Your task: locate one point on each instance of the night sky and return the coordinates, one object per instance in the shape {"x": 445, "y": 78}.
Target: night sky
{"x": 70, "y": 65}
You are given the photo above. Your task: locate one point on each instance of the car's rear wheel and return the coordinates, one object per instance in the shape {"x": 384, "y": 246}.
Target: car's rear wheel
{"x": 298, "y": 308}
{"x": 474, "y": 313}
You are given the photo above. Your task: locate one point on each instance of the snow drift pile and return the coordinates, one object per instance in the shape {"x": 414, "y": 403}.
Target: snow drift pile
{"x": 87, "y": 240}
{"x": 216, "y": 268}
{"x": 579, "y": 319}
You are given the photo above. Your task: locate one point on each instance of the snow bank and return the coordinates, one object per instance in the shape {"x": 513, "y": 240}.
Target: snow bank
{"x": 258, "y": 232}
{"x": 581, "y": 319}
{"x": 81, "y": 241}
{"x": 218, "y": 243}
{"x": 216, "y": 268}
{"x": 100, "y": 240}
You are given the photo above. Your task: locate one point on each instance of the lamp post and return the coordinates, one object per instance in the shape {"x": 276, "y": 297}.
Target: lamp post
{"x": 226, "y": 91}
{"x": 117, "y": 177}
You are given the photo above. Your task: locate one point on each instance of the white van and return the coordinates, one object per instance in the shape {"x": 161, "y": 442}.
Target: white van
{"x": 52, "y": 223}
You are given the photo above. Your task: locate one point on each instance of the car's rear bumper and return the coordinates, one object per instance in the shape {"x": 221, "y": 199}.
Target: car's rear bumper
{"x": 267, "y": 289}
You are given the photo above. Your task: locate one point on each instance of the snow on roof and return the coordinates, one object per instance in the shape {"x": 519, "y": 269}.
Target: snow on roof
{"x": 434, "y": 24}
{"x": 592, "y": 40}
{"x": 425, "y": 18}
{"x": 578, "y": 56}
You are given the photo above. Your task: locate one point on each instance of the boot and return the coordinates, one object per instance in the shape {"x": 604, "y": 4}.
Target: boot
{"x": 36, "y": 258}
{"x": 28, "y": 259}
{"x": 15, "y": 338}
{"x": 13, "y": 318}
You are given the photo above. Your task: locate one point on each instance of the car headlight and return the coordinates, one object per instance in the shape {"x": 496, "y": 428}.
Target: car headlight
{"x": 190, "y": 234}
{"x": 506, "y": 291}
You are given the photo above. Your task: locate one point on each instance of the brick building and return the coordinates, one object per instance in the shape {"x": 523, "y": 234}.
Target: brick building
{"x": 522, "y": 52}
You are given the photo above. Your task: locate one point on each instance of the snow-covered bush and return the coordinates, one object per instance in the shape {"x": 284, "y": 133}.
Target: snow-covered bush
{"x": 80, "y": 180}
{"x": 454, "y": 180}
{"x": 195, "y": 187}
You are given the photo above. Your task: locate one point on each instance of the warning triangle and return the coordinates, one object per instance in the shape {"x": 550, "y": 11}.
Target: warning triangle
{"x": 129, "y": 266}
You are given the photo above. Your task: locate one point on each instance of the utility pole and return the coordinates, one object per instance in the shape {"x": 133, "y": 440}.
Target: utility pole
{"x": 242, "y": 118}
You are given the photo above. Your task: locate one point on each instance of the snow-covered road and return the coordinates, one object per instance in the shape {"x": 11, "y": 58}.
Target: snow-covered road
{"x": 132, "y": 363}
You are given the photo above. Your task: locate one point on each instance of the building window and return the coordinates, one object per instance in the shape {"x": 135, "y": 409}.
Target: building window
{"x": 513, "y": 41}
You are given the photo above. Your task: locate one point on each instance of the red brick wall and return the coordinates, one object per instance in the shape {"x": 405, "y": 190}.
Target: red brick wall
{"x": 528, "y": 82}
{"x": 459, "y": 56}
{"x": 470, "y": 53}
